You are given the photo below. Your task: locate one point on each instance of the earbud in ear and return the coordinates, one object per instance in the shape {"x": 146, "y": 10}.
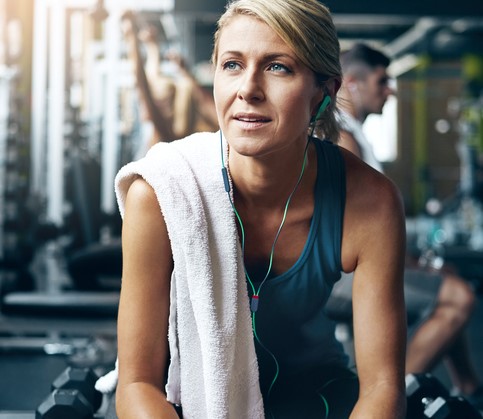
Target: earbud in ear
{"x": 322, "y": 108}
{"x": 323, "y": 105}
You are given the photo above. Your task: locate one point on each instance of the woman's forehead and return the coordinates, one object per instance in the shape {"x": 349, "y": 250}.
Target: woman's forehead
{"x": 248, "y": 33}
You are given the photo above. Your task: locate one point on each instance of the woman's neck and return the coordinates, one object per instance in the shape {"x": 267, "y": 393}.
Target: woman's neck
{"x": 267, "y": 183}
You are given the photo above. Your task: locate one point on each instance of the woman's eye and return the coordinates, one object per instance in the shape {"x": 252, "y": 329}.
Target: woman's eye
{"x": 277, "y": 67}
{"x": 231, "y": 65}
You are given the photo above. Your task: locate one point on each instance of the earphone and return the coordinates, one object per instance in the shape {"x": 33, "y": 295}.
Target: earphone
{"x": 254, "y": 302}
{"x": 322, "y": 108}
{"x": 256, "y": 290}
{"x": 226, "y": 182}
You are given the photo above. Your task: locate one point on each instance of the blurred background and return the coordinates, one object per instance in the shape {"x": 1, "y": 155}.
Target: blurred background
{"x": 72, "y": 113}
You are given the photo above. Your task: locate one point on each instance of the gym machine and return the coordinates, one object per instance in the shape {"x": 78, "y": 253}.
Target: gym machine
{"x": 452, "y": 230}
{"x": 15, "y": 222}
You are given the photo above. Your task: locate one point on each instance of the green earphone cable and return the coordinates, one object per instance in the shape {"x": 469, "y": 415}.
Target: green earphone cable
{"x": 272, "y": 251}
{"x": 256, "y": 292}
{"x": 326, "y": 404}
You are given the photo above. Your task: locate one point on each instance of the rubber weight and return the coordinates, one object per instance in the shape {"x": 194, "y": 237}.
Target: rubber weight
{"x": 83, "y": 380}
{"x": 65, "y": 404}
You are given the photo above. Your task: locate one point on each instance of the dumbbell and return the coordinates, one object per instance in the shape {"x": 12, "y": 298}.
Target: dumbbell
{"x": 421, "y": 389}
{"x": 427, "y": 398}
{"x": 73, "y": 396}
{"x": 451, "y": 408}
{"x": 59, "y": 404}
{"x": 65, "y": 403}
{"x": 82, "y": 379}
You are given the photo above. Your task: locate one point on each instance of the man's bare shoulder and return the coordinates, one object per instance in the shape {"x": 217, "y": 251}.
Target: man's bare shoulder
{"x": 348, "y": 141}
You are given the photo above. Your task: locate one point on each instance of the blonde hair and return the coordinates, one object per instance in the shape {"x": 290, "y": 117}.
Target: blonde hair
{"x": 307, "y": 28}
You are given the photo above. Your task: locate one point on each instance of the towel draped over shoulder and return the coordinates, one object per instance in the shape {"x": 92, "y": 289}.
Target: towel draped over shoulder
{"x": 213, "y": 370}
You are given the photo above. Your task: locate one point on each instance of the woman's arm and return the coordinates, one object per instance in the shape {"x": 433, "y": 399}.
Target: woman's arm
{"x": 144, "y": 308}
{"x": 374, "y": 247}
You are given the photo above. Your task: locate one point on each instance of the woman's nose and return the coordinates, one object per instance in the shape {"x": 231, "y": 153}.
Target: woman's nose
{"x": 251, "y": 86}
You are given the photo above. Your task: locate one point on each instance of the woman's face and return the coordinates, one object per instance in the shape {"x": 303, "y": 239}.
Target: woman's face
{"x": 264, "y": 95}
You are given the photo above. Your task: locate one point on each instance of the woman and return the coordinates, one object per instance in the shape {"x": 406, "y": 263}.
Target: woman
{"x": 304, "y": 210}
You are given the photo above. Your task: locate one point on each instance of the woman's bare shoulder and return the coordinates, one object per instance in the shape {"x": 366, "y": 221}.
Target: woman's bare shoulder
{"x": 369, "y": 189}
{"x": 140, "y": 194}
{"x": 374, "y": 213}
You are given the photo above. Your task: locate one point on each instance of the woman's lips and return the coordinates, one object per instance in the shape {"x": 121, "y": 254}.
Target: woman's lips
{"x": 251, "y": 121}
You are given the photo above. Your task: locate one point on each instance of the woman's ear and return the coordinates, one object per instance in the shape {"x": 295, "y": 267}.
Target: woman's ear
{"x": 337, "y": 83}
{"x": 332, "y": 86}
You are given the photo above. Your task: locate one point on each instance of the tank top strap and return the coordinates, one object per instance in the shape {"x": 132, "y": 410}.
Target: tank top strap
{"x": 331, "y": 194}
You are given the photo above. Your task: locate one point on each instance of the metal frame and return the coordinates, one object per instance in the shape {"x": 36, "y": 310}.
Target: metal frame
{"x": 49, "y": 95}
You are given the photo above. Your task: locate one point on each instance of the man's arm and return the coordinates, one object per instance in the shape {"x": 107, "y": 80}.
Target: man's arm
{"x": 162, "y": 126}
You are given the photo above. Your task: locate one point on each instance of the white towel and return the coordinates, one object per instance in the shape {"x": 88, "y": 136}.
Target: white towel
{"x": 213, "y": 371}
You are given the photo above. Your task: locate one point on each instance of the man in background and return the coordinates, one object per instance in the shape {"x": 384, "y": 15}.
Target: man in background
{"x": 441, "y": 301}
